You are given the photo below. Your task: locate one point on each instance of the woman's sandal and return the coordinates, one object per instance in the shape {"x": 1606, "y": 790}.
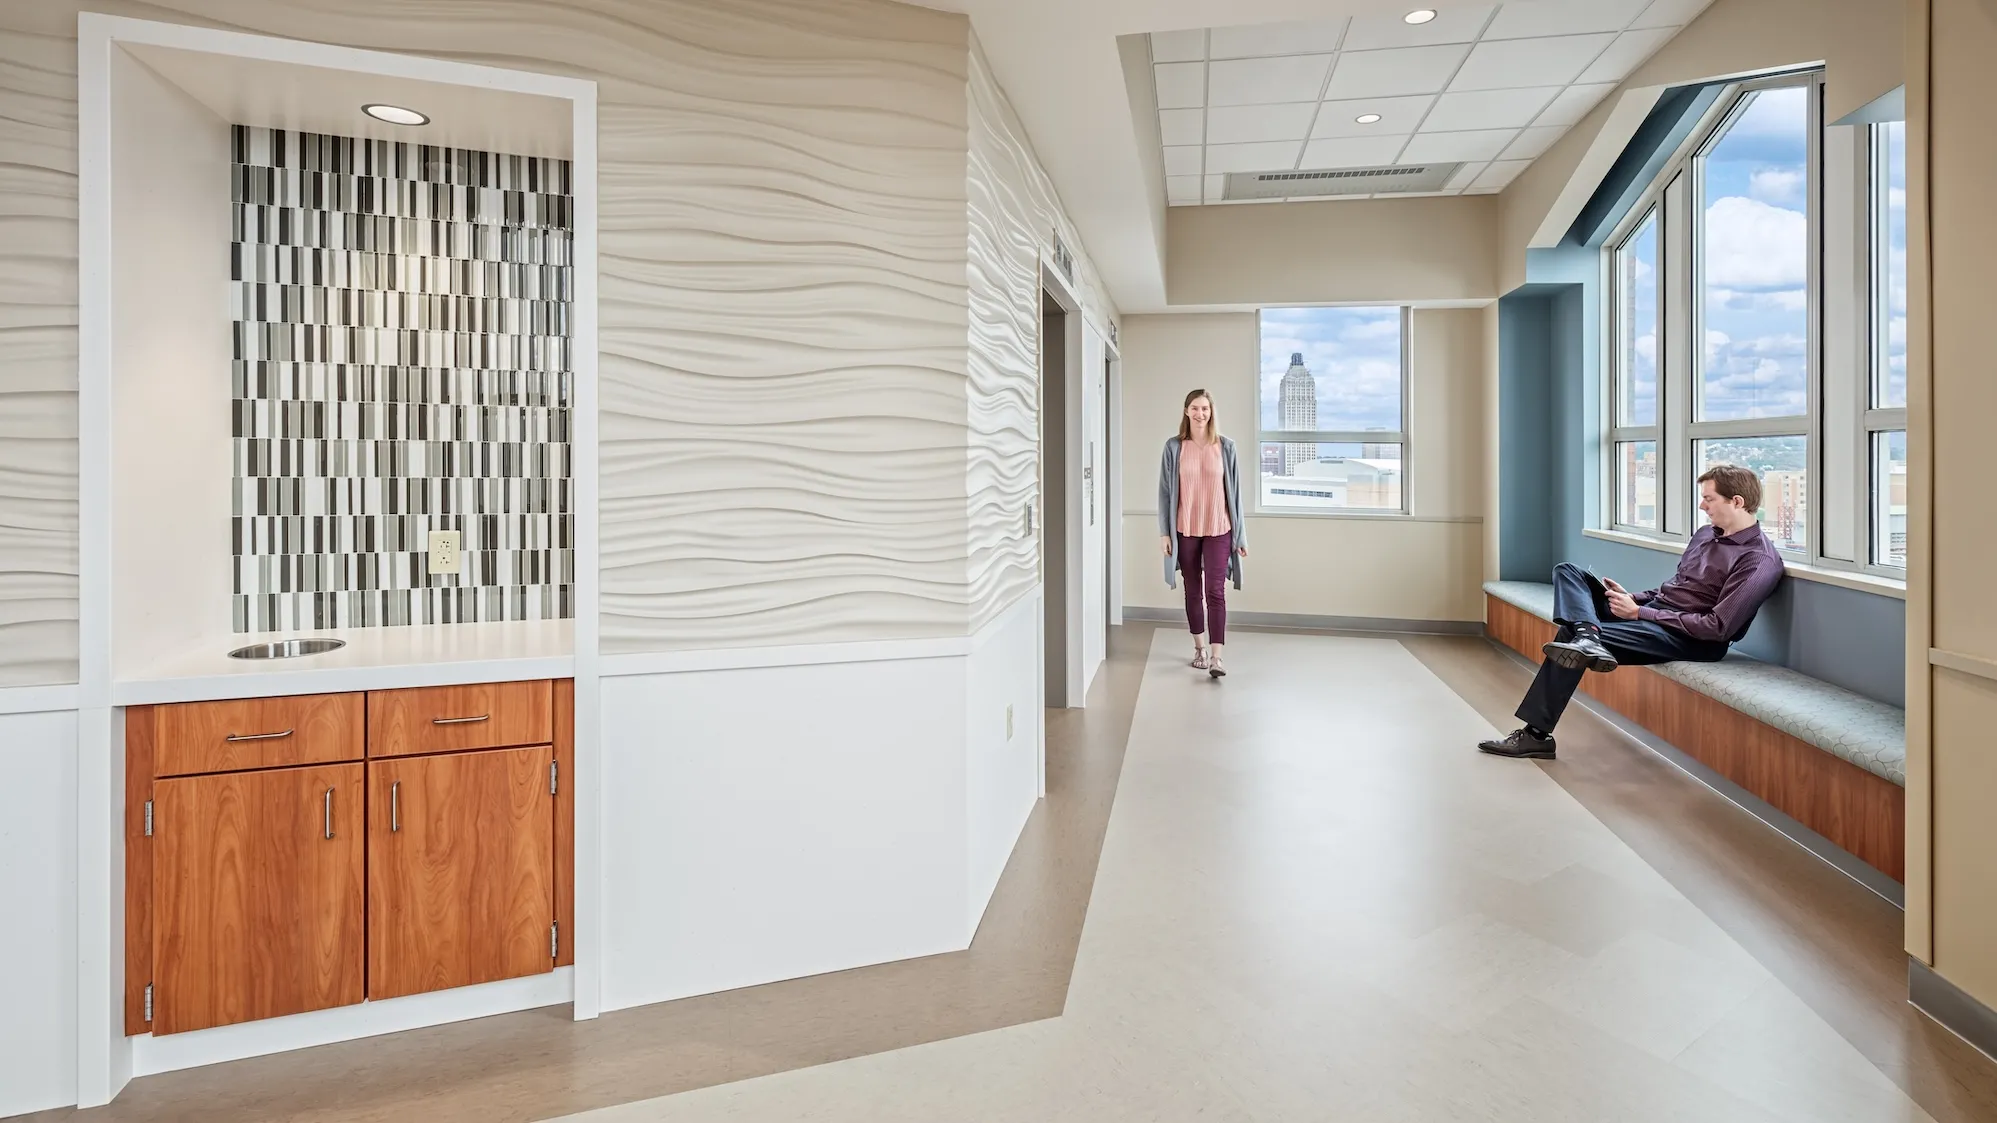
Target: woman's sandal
{"x": 1200, "y": 659}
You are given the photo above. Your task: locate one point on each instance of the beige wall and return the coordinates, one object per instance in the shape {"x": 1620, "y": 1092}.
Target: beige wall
{"x": 806, "y": 438}
{"x": 1340, "y": 251}
{"x": 1955, "y": 400}
{"x": 1426, "y": 567}
{"x": 1858, "y": 41}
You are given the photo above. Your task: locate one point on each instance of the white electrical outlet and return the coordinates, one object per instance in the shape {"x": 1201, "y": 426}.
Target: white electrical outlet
{"x": 1008, "y": 723}
{"x": 447, "y": 551}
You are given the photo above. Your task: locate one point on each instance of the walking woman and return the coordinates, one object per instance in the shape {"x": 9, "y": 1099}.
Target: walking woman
{"x": 1200, "y": 525}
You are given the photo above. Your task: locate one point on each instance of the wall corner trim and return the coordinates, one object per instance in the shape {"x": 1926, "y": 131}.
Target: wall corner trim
{"x": 1951, "y": 1007}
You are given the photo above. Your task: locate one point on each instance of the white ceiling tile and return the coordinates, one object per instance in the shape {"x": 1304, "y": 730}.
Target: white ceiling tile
{"x": 1266, "y": 40}
{"x": 1263, "y": 81}
{"x": 1488, "y": 109}
{"x": 1450, "y": 25}
{"x": 1178, "y": 46}
{"x": 1398, "y": 115}
{"x": 1182, "y": 190}
{"x": 1272, "y": 156}
{"x": 1181, "y": 85}
{"x": 1435, "y": 148}
{"x": 1670, "y": 13}
{"x": 1215, "y": 185}
{"x": 1465, "y": 176}
{"x": 1529, "y": 62}
{"x": 1182, "y": 126}
{"x": 1627, "y": 53}
{"x": 1499, "y": 175}
{"x": 1528, "y": 19}
{"x": 1243, "y": 124}
{"x": 1352, "y": 152}
{"x": 1183, "y": 160}
{"x": 1532, "y": 143}
{"x": 1572, "y": 104}
{"x": 1406, "y": 70}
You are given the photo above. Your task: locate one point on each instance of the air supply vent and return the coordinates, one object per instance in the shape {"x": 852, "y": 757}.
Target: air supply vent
{"x": 1396, "y": 179}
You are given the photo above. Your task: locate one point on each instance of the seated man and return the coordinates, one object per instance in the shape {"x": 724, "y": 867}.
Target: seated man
{"x": 1728, "y": 570}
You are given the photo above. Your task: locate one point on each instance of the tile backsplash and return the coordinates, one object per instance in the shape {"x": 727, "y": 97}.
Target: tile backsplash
{"x": 402, "y": 364}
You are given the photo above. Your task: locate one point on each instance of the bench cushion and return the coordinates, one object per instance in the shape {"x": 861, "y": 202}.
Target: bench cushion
{"x": 1852, "y": 727}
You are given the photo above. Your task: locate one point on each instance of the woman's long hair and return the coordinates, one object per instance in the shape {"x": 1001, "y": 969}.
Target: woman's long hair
{"x": 1213, "y": 417}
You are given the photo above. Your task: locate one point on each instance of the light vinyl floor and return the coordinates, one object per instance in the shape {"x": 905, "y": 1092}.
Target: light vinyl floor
{"x": 1315, "y": 903}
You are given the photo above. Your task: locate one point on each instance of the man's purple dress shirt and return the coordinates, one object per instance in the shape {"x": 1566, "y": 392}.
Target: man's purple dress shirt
{"x": 1721, "y": 581}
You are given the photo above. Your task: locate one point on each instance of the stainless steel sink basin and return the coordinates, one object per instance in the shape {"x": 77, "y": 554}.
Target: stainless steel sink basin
{"x": 287, "y": 649}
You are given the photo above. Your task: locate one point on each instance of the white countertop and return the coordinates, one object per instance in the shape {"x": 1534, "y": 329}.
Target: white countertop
{"x": 374, "y": 659}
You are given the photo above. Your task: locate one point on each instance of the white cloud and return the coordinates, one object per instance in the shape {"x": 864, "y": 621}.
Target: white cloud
{"x": 1756, "y": 247}
{"x": 1777, "y": 185}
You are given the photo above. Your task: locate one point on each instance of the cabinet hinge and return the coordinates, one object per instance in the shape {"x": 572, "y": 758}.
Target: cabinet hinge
{"x": 149, "y": 1002}
{"x": 554, "y": 943}
{"x": 149, "y": 824}
{"x": 554, "y": 767}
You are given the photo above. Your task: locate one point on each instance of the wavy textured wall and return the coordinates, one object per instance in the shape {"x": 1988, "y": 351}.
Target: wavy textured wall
{"x": 1014, "y": 213}
{"x": 783, "y": 264}
{"x": 38, "y": 558}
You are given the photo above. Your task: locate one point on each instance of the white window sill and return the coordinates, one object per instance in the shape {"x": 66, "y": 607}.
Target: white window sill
{"x": 1860, "y": 582}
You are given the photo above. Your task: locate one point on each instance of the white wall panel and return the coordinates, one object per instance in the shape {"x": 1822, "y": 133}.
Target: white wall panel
{"x": 769, "y": 823}
{"x": 1002, "y": 774}
{"x": 38, "y": 937}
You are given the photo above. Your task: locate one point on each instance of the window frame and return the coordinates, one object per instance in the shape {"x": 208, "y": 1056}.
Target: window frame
{"x": 1400, "y": 437}
{"x": 1676, "y": 196}
{"x": 1875, "y": 420}
{"x": 1621, "y": 434}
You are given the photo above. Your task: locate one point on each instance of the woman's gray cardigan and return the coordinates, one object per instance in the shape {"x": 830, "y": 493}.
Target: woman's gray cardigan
{"x": 1168, "y": 510}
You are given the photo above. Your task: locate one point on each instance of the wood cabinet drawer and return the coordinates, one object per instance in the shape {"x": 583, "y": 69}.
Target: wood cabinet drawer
{"x": 439, "y": 719}
{"x": 239, "y": 734}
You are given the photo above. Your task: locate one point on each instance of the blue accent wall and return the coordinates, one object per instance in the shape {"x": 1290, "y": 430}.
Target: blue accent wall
{"x": 1550, "y": 410}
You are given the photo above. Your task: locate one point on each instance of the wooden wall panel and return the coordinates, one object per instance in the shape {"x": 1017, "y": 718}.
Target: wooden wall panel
{"x": 565, "y": 820}
{"x": 1856, "y": 810}
{"x": 140, "y": 726}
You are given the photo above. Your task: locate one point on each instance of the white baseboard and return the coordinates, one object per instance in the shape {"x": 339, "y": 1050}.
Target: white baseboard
{"x": 345, "y": 1023}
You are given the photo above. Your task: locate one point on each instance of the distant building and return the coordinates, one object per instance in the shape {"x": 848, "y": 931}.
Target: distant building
{"x": 1338, "y": 482}
{"x": 1785, "y": 505}
{"x": 1299, "y": 406}
{"x": 1272, "y": 460}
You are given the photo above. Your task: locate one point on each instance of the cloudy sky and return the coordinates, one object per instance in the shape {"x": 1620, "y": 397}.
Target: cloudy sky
{"x": 1355, "y": 355}
{"x": 1757, "y": 260}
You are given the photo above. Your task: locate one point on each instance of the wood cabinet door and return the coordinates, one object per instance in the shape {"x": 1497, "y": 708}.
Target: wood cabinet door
{"x": 258, "y": 895}
{"x": 460, "y": 869}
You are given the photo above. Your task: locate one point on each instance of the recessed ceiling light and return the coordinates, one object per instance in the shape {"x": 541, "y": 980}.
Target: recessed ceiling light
{"x": 395, "y": 115}
{"x": 1368, "y": 118}
{"x": 1420, "y": 15}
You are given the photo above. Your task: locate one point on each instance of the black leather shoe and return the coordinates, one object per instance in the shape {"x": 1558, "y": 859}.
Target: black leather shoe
{"x": 1582, "y": 653}
{"x": 1520, "y": 744}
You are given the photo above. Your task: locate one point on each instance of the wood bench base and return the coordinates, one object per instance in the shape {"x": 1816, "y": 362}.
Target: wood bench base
{"x": 1857, "y": 811}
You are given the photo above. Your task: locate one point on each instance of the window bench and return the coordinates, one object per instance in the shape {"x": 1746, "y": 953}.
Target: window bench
{"x": 1832, "y": 760}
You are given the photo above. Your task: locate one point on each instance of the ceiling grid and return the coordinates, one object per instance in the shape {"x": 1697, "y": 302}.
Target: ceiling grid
{"x": 1490, "y": 87}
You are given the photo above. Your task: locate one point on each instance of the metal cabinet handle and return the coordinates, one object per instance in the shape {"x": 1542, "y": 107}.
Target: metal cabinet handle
{"x": 459, "y": 720}
{"x": 395, "y": 806}
{"x": 257, "y": 736}
{"x": 329, "y": 813}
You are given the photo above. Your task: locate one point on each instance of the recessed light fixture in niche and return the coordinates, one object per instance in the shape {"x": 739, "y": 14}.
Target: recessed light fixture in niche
{"x": 1368, "y": 118}
{"x": 395, "y": 115}
{"x": 1420, "y": 15}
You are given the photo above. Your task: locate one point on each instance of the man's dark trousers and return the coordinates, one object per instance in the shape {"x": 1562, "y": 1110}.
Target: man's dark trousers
{"x": 1634, "y": 643}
